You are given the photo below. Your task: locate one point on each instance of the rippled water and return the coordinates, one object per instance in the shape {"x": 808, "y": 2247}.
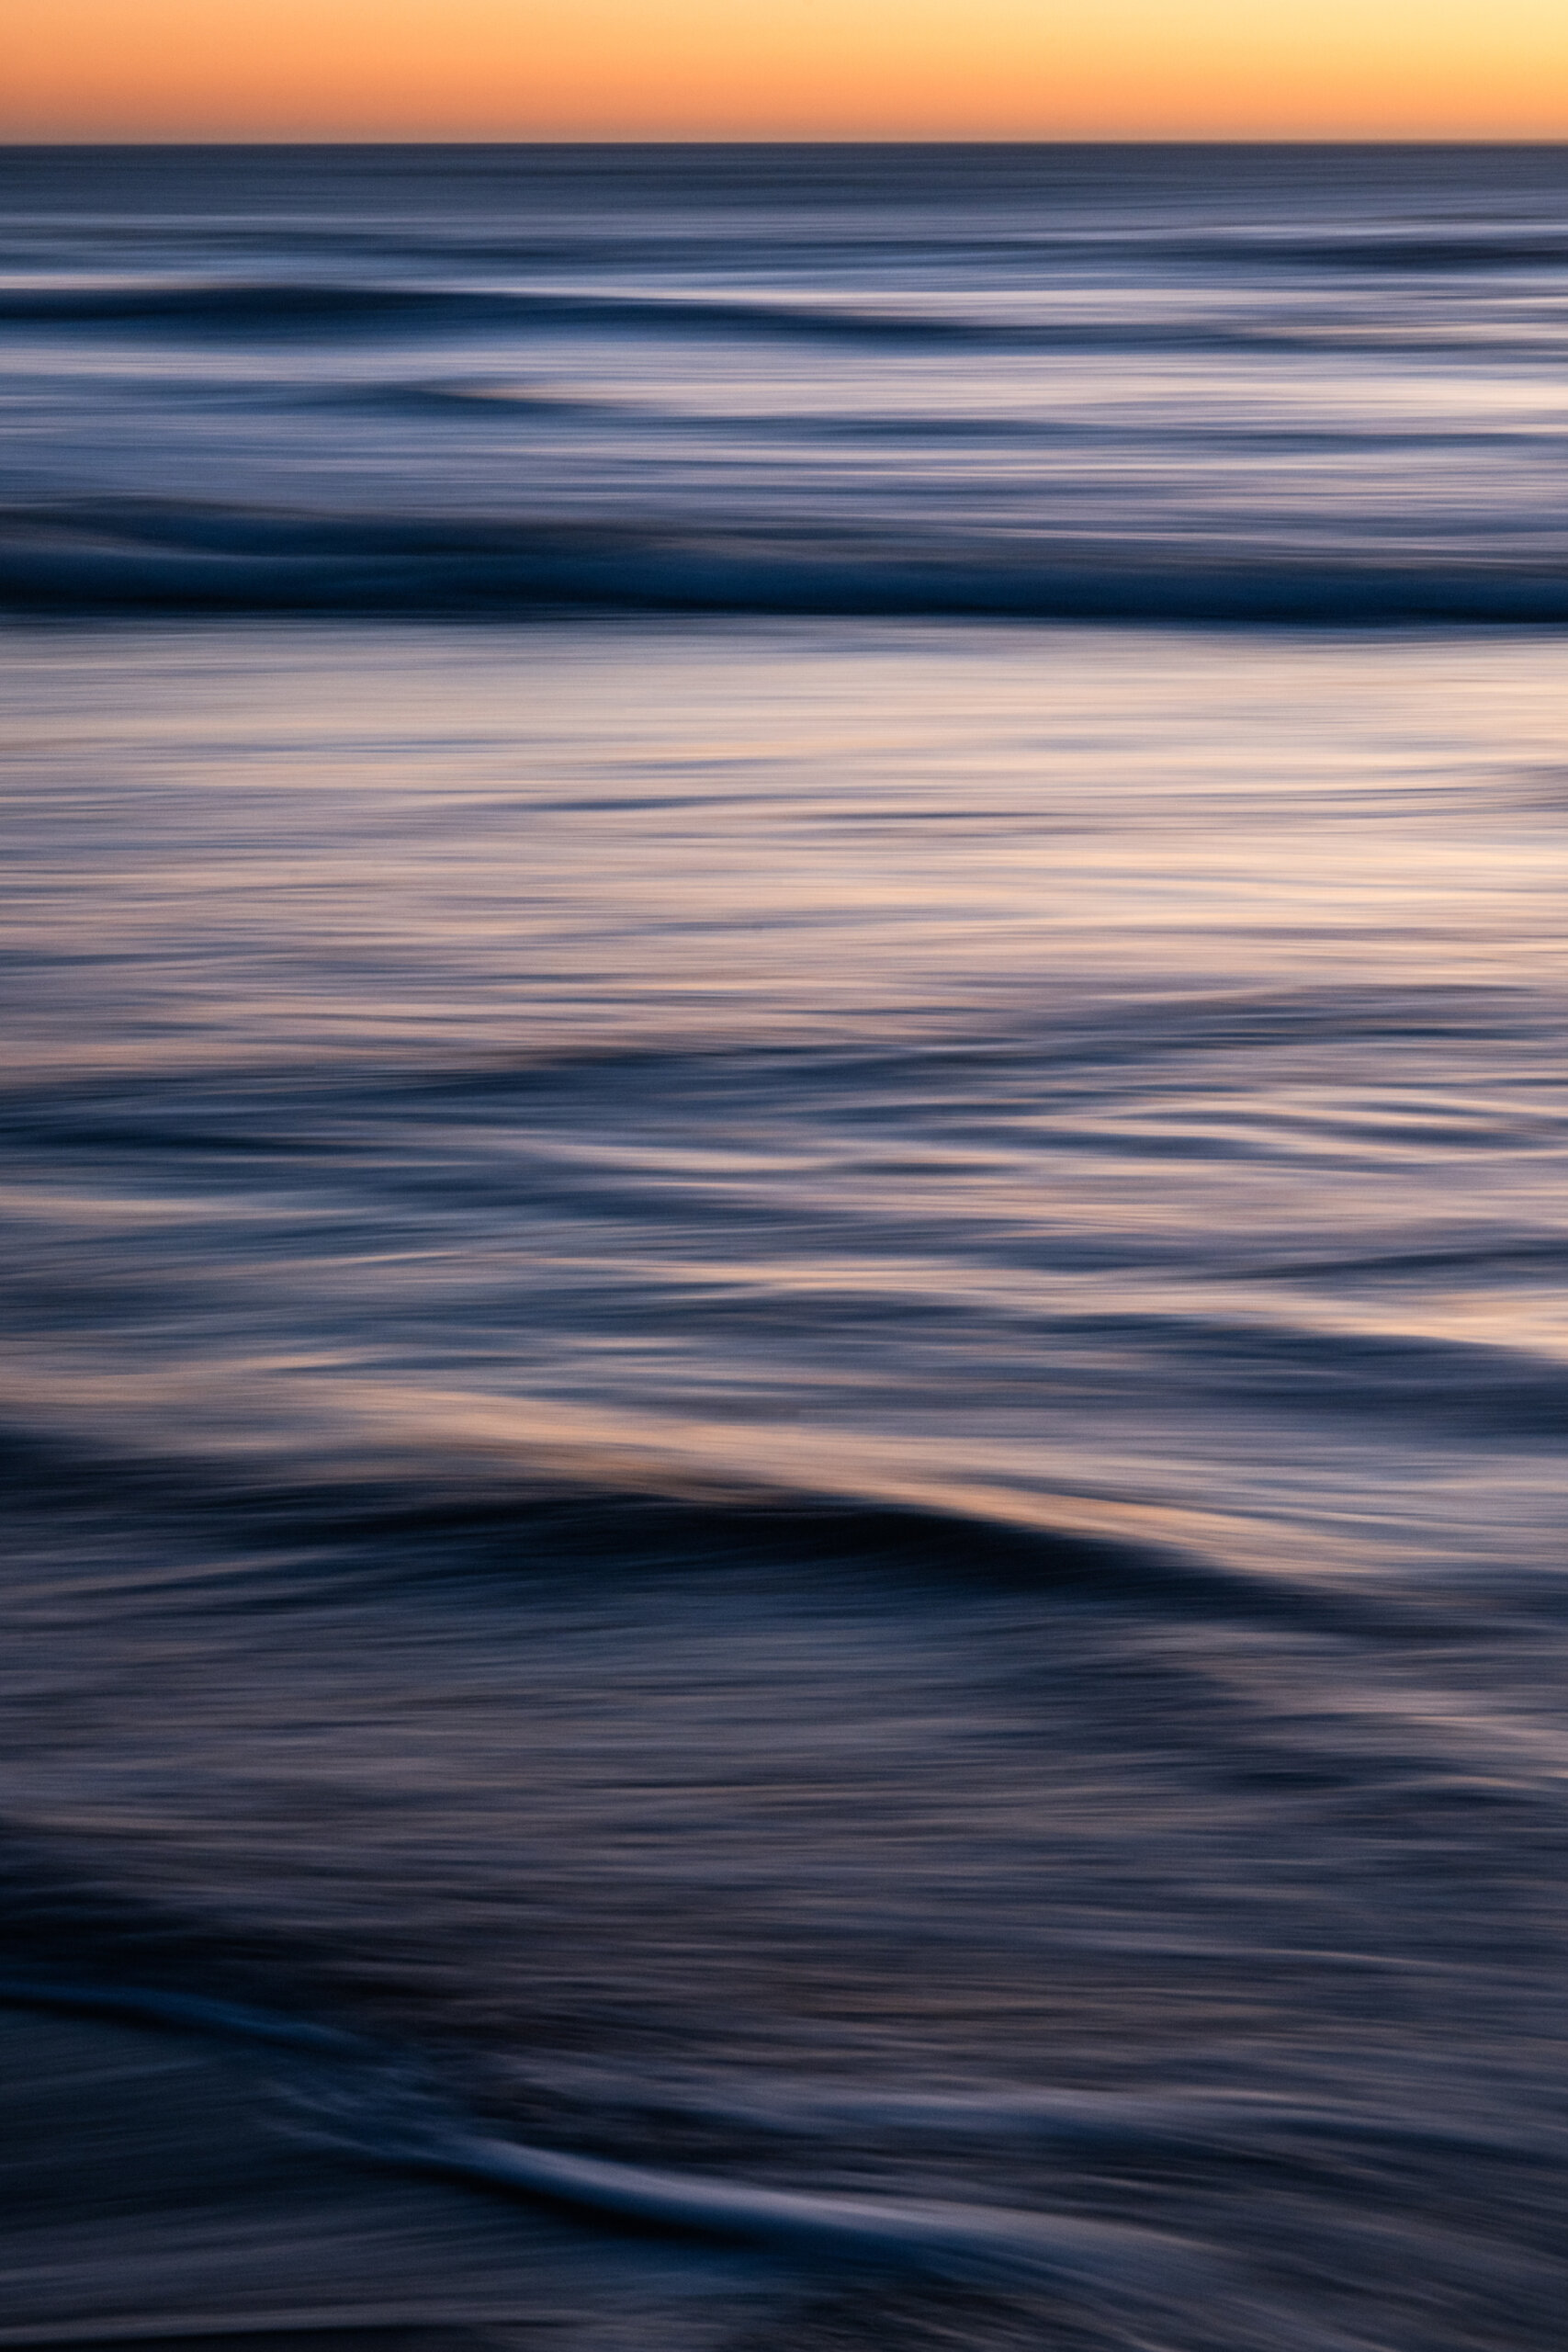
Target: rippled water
{"x": 1303, "y": 384}
{"x": 787, "y": 1381}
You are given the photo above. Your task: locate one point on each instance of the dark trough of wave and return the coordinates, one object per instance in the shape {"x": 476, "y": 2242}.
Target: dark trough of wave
{"x": 452, "y": 1522}
{"x": 256, "y": 309}
{"x": 129, "y": 555}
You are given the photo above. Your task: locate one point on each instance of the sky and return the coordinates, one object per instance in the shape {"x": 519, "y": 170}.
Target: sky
{"x": 758, "y": 69}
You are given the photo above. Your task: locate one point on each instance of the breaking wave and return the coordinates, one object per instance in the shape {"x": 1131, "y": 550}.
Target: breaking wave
{"x": 129, "y": 555}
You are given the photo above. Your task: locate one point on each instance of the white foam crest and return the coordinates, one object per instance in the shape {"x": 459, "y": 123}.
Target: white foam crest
{"x": 921, "y": 2234}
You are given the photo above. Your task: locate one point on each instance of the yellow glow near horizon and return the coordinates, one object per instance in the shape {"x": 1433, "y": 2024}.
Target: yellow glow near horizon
{"x": 759, "y": 69}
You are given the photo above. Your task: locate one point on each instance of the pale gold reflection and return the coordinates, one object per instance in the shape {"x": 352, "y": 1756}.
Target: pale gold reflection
{"x": 1020, "y": 822}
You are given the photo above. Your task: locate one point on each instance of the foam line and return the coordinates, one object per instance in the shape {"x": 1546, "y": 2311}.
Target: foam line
{"x": 917, "y": 2234}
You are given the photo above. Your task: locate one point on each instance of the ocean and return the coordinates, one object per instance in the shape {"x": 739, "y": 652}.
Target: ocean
{"x": 784, "y": 1124}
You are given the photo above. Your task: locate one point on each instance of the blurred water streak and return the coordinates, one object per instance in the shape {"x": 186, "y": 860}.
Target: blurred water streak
{"x": 786, "y": 1388}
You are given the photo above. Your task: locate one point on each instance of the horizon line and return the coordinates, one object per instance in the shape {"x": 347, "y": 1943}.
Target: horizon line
{"x": 1308, "y": 140}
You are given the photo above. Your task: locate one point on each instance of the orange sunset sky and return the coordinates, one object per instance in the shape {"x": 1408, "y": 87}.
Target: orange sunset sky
{"x": 814, "y": 68}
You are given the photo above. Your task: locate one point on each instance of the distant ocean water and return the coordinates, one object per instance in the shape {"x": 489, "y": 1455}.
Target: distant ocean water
{"x": 785, "y": 1121}
{"x": 1139, "y": 383}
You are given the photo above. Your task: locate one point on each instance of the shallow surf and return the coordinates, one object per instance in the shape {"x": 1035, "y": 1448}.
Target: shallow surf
{"x": 783, "y": 1481}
